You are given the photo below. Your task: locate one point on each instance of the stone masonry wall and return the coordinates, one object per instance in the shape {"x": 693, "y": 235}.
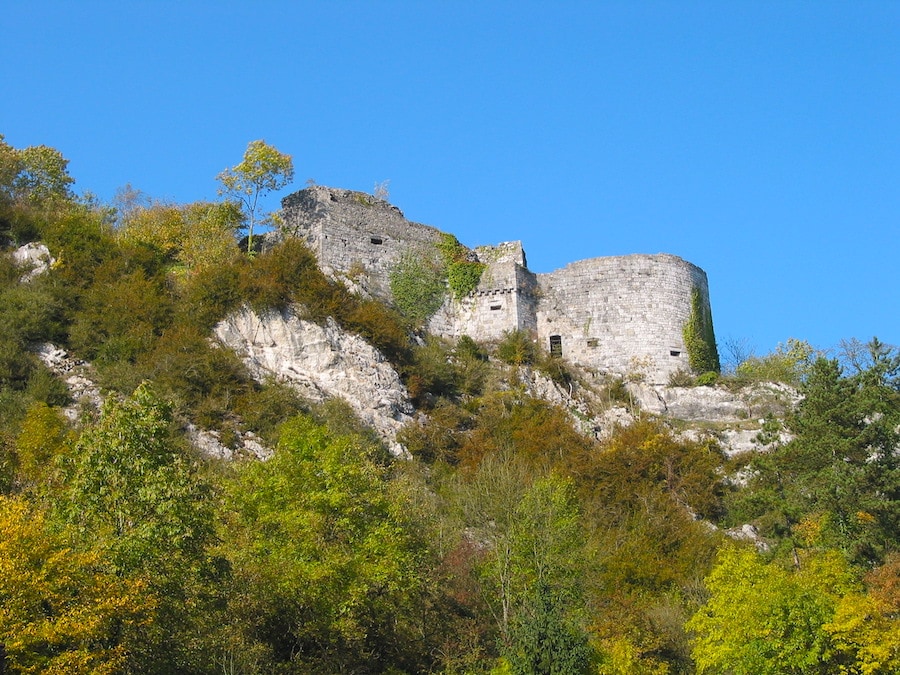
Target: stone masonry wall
{"x": 503, "y": 301}
{"x": 621, "y": 314}
{"x": 355, "y": 234}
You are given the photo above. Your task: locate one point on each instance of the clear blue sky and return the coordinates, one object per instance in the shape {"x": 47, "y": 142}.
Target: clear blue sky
{"x": 759, "y": 140}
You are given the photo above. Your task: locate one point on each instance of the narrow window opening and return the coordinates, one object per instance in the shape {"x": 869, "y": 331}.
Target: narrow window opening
{"x": 555, "y": 345}
{"x": 378, "y": 241}
{"x": 493, "y": 307}
{"x": 674, "y": 352}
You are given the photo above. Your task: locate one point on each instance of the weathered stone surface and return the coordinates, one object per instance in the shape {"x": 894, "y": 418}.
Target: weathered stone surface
{"x": 735, "y": 418}
{"x": 76, "y": 374}
{"x": 210, "y": 444}
{"x": 749, "y": 533}
{"x": 354, "y": 235}
{"x": 579, "y": 403}
{"x": 715, "y": 404}
{"x": 321, "y": 362}
{"x": 35, "y": 257}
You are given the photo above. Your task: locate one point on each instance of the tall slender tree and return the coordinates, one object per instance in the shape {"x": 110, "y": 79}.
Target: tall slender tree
{"x": 262, "y": 170}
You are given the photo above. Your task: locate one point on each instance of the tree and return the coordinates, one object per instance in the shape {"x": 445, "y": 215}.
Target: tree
{"x": 789, "y": 363}
{"x": 262, "y": 170}
{"x": 764, "y": 619}
{"x": 841, "y": 470}
{"x": 134, "y": 494}
{"x": 326, "y": 568}
{"x": 193, "y": 236}
{"x": 34, "y": 174}
{"x": 43, "y": 175}
{"x": 61, "y": 611}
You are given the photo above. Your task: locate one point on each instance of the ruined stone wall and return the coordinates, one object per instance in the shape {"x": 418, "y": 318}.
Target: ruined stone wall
{"x": 501, "y": 302}
{"x": 355, "y": 234}
{"x": 621, "y": 314}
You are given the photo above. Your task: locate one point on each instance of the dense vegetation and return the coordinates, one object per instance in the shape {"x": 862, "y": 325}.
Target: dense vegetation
{"x": 510, "y": 543}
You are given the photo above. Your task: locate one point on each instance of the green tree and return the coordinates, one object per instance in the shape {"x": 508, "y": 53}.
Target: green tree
{"x": 43, "y": 175}
{"x": 194, "y": 236}
{"x": 764, "y": 619}
{"x": 34, "y": 174}
{"x": 262, "y": 170}
{"x": 326, "y": 567}
{"x": 544, "y": 641}
{"x": 789, "y": 363}
{"x": 131, "y": 486}
{"x": 841, "y": 469}
{"x": 534, "y": 549}
{"x": 138, "y": 498}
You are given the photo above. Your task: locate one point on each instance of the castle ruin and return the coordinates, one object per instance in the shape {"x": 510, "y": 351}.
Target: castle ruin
{"x": 617, "y": 314}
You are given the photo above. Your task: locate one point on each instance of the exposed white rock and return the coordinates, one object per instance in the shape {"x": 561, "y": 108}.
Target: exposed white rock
{"x": 210, "y": 444}
{"x": 738, "y": 415}
{"x": 715, "y": 404}
{"x": 34, "y": 256}
{"x": 321, "y": 362}
{"x": 748, "y": 532}
{"x": 74, "y": 372}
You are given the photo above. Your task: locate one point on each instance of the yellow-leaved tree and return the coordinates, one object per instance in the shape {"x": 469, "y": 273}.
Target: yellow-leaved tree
{"x": 61, "y": 610}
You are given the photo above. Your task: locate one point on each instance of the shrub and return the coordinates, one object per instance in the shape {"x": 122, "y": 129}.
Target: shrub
{"x": 517, "y": 347}
{"x": 707, "y": 379}
{"x": 121, "y": 317}
{"x": 379, "y": 325}
{"x": 211, "y": 294}
{"x": 417, "y": 285}
{"x": 200, "y": 375}
{"x": 789, "y": 363}
{"x": 263, "y": 409}
{"x": 463, "y": 274}
{"x": 432, "y": 372}
{"x": 681, "y": 378}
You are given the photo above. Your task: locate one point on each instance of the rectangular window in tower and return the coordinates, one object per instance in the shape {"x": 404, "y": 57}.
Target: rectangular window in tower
{"x": 378, "y": 241}
{"x": 555, "y": 345}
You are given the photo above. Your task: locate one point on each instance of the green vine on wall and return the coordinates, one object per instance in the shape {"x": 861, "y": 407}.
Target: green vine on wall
{"x": 418, "y": 284}
{"x": 419, "y": 281}
{"x": 463, "y": 274}
{"x": 699, "y": 338}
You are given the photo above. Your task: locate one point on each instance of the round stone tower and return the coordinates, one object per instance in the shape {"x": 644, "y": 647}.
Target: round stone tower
{"x": 622, "y": 314}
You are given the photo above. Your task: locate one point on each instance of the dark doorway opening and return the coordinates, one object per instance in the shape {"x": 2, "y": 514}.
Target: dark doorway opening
{"x": 555, "y": 345}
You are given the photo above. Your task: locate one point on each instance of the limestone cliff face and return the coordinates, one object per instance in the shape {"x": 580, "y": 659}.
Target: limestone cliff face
{"x": 321, "y": 362}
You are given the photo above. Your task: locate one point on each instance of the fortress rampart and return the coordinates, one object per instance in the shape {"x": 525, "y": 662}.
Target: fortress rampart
{"x": 620, "y": 314}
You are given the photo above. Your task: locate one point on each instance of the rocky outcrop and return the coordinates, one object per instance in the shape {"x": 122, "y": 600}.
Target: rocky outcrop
{"x": 321, "y": 362}
{"x": 735, "y": 416}
{"x": 35, "y": 258}
{"x": 579, "y": 402}
{"x": 210, "y": 444}
{"x": 77, "y": 375}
